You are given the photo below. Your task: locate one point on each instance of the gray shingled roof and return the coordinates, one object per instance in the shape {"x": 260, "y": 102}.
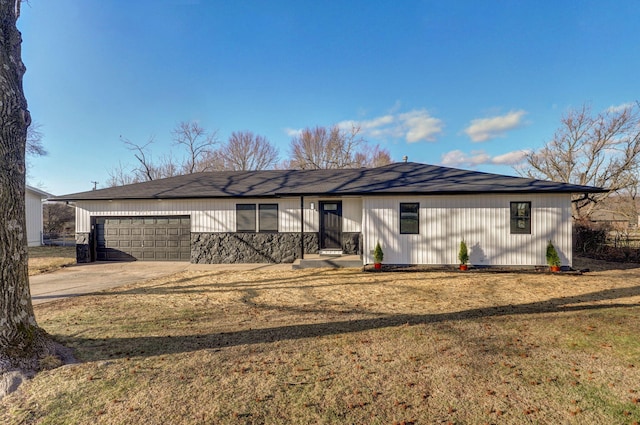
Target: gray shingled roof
{"x": 399, "y": 178}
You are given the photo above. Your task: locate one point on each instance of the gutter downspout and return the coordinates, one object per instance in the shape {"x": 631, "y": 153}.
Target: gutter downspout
{"x": 302, "y": 227}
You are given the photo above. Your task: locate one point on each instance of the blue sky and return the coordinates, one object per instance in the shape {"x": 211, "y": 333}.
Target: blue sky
{"x": 468, "y": 84}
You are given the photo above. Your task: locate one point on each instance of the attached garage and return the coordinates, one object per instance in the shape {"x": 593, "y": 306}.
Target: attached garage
{"x": 143, "y": 238}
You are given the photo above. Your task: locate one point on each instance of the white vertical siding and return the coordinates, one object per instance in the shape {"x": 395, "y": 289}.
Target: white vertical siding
{"x": 352, "y": 215}
{"x": 483, "y": 221}
{"x": 219, "y": 215}
{"x": 33, "y": 206}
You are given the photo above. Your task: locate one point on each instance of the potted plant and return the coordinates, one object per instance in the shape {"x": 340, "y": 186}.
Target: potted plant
{"x": 378, "y": 256}
{"x": 553, "y": 259}
{"x": 463, "y": 255}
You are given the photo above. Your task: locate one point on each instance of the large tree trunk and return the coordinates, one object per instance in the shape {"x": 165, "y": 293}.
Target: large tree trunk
{"x": 22, "y": 342}
{"x": 17, "y": 321}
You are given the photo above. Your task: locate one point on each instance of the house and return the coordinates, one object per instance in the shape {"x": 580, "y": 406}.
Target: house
{"x": 419, "y": 213}
{"x": 33, "y": 205}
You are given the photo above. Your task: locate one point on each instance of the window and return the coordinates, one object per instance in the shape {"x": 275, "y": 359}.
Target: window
{"x": 520, "y": 217}
{"x": 409, "y": 219}
{"x": 245, "y": 218}
{"x": 268, "y": 217}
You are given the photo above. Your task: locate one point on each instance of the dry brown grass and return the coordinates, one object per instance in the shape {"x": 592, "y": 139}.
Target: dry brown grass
{"x": 342, "y": 346}
{"x": 45, "y": 259}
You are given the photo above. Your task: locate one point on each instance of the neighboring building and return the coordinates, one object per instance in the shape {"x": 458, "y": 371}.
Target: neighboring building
{"x": 418, "y": 212}
{"x": 33, "y": 205}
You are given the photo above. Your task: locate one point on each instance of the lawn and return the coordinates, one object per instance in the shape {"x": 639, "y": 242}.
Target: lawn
{"x": 343, "y": 346}
{"x": 45, "y": 259}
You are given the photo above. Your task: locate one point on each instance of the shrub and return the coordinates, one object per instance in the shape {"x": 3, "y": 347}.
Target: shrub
{"x": 553, "y": 259}
{"x": 378, "y": 255}
{"x": 590, "y": 238}
{"x": 463, "y": 254}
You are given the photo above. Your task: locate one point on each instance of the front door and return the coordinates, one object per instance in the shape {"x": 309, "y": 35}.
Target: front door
{"x": 331, "y": 225}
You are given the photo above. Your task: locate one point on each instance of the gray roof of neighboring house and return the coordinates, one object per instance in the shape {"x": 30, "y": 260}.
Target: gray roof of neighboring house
{"x": 38, "y": 192}
{"x": 397, "y": 178}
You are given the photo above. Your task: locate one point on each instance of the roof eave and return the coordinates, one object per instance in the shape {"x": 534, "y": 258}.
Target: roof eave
{"x": 339, "y": 193}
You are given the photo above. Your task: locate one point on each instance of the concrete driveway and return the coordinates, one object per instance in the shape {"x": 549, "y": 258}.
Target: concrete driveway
{"x": 82, "y": 279}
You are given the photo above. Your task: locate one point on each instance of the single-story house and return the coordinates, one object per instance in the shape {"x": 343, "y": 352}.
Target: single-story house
{"x": 419, "y": 213}
{"x": 33, "y": 206}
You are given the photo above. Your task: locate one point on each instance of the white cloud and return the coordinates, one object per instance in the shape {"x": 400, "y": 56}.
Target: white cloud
{"x": 510, "y": 158}
{"x": 413, "y": 126}
{"x": 619, "y": 108}
{"x": 420, "y": 126}
{"x": 457, "y": 158}
{"x": 293, "y": 132}
{"x": 483, "y": 129}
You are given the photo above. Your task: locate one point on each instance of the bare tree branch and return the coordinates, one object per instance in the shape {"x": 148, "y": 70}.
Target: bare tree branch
{"x": 34, "y": 140}
{"x": 596, "y": 150}
{"x": 146, "y": 168}
{"x": 198, "y": 143}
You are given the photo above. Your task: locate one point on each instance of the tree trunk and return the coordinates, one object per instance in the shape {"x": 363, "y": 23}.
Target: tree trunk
{"x": 22, "y": 342}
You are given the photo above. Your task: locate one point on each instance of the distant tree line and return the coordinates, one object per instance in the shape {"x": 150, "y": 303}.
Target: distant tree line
{"x": 201, "y": 150}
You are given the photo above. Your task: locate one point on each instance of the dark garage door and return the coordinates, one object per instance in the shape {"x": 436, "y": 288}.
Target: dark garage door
{"x": 143, "y": 238}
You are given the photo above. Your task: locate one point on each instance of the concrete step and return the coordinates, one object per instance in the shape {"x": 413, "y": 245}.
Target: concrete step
{"x": 334, "y": 262}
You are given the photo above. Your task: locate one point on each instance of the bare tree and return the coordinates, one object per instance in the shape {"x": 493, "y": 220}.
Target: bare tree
{"x": 34, "y": 140}
{"x": 22, "y": 342}
{"x": 329, "y": 148}
{"x": 374, "y": 157}
{"x": 187, "y": 135}
{"x": 197, "y": 141}
{"x": 34, "y": 145}
{"x": 591, "y": 149}
{"x": 57, "y": 216}
{"x": 119, "y": 176}
{"x": 245, "y": 151}
{"x": 146, "y": 169}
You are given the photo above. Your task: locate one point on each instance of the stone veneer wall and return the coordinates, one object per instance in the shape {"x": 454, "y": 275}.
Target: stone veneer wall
{"x": 351, "y": 243}
{"x": 83, "y": 251}
{"x": 230, "y": 248}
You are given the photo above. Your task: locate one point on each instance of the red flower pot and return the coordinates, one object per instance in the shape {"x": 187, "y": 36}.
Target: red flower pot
{"x": 554, "y": 269}
{"x": 377, "y": 266}
{"x": 464, "y": 267}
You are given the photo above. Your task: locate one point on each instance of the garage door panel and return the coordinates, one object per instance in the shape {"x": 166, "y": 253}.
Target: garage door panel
{"x": 143, "y": 238}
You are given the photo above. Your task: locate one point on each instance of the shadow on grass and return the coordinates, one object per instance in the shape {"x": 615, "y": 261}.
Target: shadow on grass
{"x": 110, "y": 348}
